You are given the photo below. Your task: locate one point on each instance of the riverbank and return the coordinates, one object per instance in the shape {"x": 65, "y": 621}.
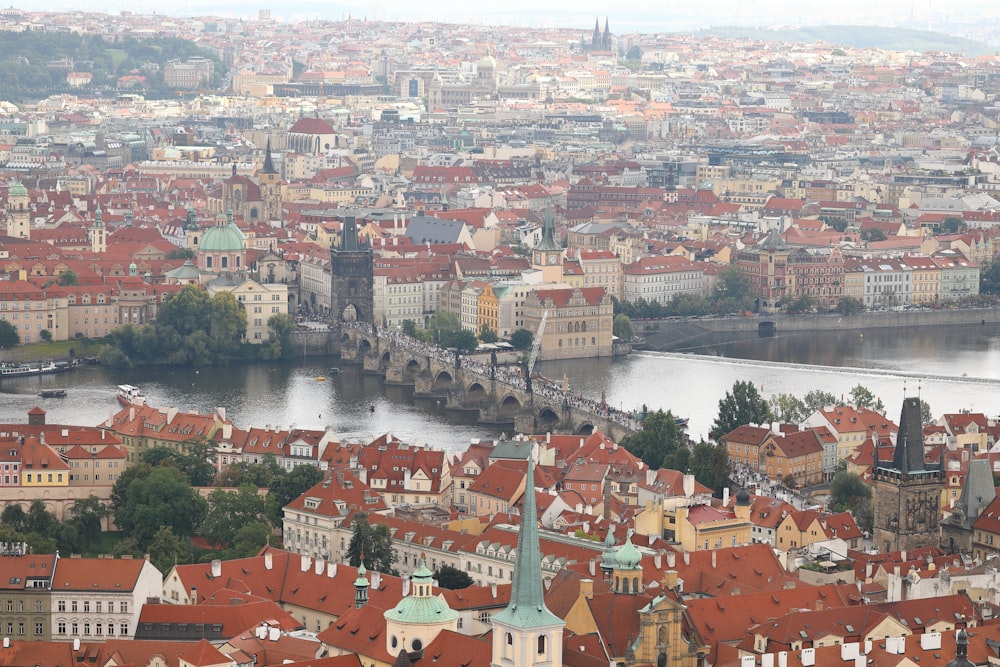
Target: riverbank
{"x": 673, "y": 335}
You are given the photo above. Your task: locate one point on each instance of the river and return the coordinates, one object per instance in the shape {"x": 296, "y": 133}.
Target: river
{"x": 955, "y": 368}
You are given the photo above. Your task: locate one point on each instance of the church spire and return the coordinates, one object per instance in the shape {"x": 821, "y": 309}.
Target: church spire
{"x": 909, "y": 454}
{"x": 527, "y": 606}
{"x": 268, "y": 167}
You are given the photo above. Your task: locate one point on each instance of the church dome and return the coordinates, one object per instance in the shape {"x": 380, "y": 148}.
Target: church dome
{"x": 17, "y": 190}
{"x": 742, "y": 497}
{"x": 421, "y": 607}
{"x": 487, "y": 62}
{"x": 222, "y": 238}
{"x": 628, "y": 556}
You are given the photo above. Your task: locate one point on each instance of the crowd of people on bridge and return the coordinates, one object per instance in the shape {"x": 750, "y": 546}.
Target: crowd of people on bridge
{"x": 512, "y": 375}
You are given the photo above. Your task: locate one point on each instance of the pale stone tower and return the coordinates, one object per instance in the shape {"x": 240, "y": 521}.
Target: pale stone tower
{"x": 98, "y": 235}
{"x": 18, "y": 212}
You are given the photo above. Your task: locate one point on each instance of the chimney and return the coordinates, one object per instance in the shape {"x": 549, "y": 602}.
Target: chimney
{"x": 687, "y": 557}
{"x": 268, "y": 560}
{"x": 319, "y": 566}
{"x": 216, "y": 569}
{"x": 593, "y": 567}
{"x": 194, "y": 595}
{"x": 713, "y": 559}
{"x": 227, "y": 431}
{"x": 406, "y": 586}
{"x": 869, "y": 567}
{"x": 658, "y": 560}
{"x": 493, "y": 590}
{"x": 76, "y": 643}
{"x": 688, "y": 485}
{"x": 782, "y": 658}
{"x": 725, "y": 497}
{"x": 586, "y": 526}
{"x": 306, "y": 563}
{"x": 131, "y": 413}
{"x": 670, "y": 580}
{"x": 902, "y": 555}
{"x": 671, "y": 558}
{"x": 587, "y": 589}
{"x": 331, "y": 569}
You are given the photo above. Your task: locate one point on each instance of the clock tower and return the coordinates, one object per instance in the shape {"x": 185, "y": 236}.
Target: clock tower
{"x": 547, "y": 256}
{"x": 907, "y": 490}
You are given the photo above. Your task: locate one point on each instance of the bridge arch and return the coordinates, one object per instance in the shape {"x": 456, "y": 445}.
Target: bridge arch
{"x": 510, "y": 405}
{"x": 586, "y": 428}
{"x": 364, "y": 347}
{"x": 546, "y": 419}
{"x": 475, "y": 394}
{"x": 412, "y": 369}
{"x": 442, "y": 382}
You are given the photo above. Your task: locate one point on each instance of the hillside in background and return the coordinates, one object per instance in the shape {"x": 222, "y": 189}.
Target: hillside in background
{"x": 34, "y": 65}
{"x": 866, "y": 37}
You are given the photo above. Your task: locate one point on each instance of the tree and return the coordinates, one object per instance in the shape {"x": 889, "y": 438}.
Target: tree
{"x": 181, "y": 253}
{"x": 375, "y": 542}
{"x": 67, "y": 278}
{"x": 817, "y": 400}
{"x": 742, "y": 405}
{"x": 39, "y": 520}
{"x": 989, "y": 281}
{"x": 228, "y": 511}
{"x": 623, "y": 328}
{"x": 951, "y": 225}
{"x": 279, "y": 337}
{"x": 452, "y": 578}
{"x": 464, "y": 340}
{"x": 162, "y": 498}
{"x": 409, "y": 327}
{"x": 45, "y": 335}
{"x": 873, "y": 234}
{"x": 733, "y": 292}
{"x": 926, "y": 416}
{"x": 487, "y": 335}
{"x": 8, "y": 335}
{"x": 285, "y": 488}
{"x": 849, "y": 305}
{"x": 803, "y": 303}
{"x": 86, "y": 516}
{"x": 167, "y": 549}
{"x": 195, "y": 458}
{"x": 788, "y": 408}
{"x": 710, "y": 464}
{"x": 660, "y": 443}
{"x": 521, "y": 339}
{"x": 119, "y": 491}
{"x": 862, "y": 397}
{"x": 441, "y": 326}
{"x": 848, "y": 492}
{"x": 259, "y": 475}
{"x": 14, "y": 516}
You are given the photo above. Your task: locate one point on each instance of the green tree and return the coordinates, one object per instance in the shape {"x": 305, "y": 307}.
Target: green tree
{"x": 164, "y": 497}
{"x": 248, "y": 540}
{"x": 181, "y": 253}
{"x": 8, "y": 335}
{"x": 464, "y": 340}
{"x": 375, "y": 542}
{"x": 742, "y": 405}
{"x": 989, "y": 282}
{"x": 195, "y": 458}
{"x": 487, "y": 335}
{"x": 521, "y": 339}
{"x": 803, "y": 303}
{"x": 86, "y": 516}
{"x": 873, "y": 234}
{"x": 441, "y": 326}
{"x": 660, "y": 443}
{"x": 452, "y": 578}
{"x": 14, "y": 516}
{"x": 119, "y": 490}
{"x": 926, "y": 416}
{"x": 409, "y": 327}
{"x": 623, "y": 328}
{"x": 39, "y": 520}
{"x": 733, "y": 292}
{"x": 849, "y": 305}
{"x": 817, "y": 400}
{"x": 167, "y": 548}
{"x": 260, "y": 475}
{"x": 848, "y": 492}
{"x": 951, "y": 225}
{"x": 788, "y": 408}
{"x": 45, "y": 335}
{"x": 227, "y": 325}
{"x": 710, "y": 464}
{"x": 228, "y": 511}
{"x": 862, "y": 397}
{"x": 285, "y": 488}
{"x": 68, "y": 277}
{"x": 279, "y": 337}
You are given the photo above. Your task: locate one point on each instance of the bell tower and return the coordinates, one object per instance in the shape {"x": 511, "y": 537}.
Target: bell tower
{"x": 352, "y": 281}
{"x": 547, "y": 256}
{"x": 18, "y": 212}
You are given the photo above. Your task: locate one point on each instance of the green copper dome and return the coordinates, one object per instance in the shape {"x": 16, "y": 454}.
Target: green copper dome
{"x": 223, "y": 237}
{"x": 421, "y": 607}
{"x": 16, "y": 189}
{"x": 628, "y": 555}
{"x": 362, "y": 580}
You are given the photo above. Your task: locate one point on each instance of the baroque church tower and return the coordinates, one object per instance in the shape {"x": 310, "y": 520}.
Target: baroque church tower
{"x": 18, "y": 212}
{"x": 547, "y": 256}
{"x": 526, "y": 633}
{"x": 908, "y": 490}
{"x": 270, "y": 186}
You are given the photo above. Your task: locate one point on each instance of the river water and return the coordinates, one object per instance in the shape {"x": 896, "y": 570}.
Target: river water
{"x": 954, "y": 367}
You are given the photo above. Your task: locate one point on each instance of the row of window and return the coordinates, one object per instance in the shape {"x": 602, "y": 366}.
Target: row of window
{"x": 39, "y": 628}
{"x": 74, "y": 629}
{"x": 76, "y": 605}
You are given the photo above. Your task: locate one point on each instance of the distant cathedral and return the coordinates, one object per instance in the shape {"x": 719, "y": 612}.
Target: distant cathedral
{"x": 601, "y": 41}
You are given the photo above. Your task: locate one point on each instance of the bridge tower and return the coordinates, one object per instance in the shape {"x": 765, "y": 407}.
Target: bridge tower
{"x": 351, "y": 280}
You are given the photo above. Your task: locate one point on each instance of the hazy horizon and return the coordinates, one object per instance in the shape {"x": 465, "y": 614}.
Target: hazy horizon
{"x": 628, "y": 16}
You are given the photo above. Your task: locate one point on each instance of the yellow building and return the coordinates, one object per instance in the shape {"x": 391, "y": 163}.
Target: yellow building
{"x": 704, "y": 527}
{"x": 41, "y": 465}
{"x": 32, "y": 310}
{"x": 489, "y": 309}
{"x": 579, "y": 322}
{"x": 926, "y": 280}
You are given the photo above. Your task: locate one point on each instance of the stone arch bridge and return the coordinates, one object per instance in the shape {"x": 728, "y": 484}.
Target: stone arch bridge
{"x": 467, "y": 387}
